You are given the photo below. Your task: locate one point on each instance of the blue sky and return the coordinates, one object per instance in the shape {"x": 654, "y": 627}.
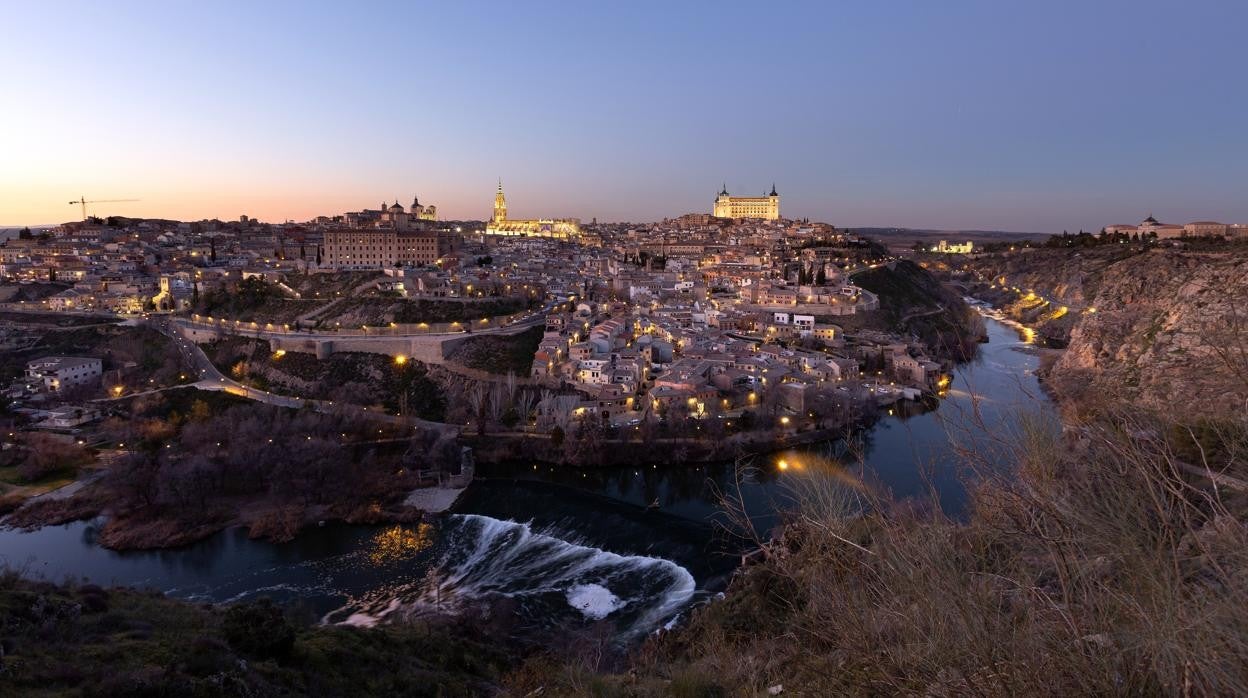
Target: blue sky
{"x": 1002, "y": 115}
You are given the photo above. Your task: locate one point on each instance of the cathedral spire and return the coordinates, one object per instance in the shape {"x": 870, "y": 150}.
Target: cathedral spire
{"x": 500, "y": 204}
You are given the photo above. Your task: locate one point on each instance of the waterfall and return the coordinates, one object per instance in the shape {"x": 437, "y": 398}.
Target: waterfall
{"x": 551, "y": 579}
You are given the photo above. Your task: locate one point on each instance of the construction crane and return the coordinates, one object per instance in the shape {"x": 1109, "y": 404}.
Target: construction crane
{"x": 83, "y": 201}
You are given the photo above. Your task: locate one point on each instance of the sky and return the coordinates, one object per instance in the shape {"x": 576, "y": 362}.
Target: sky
{"x": 992, "y": 115}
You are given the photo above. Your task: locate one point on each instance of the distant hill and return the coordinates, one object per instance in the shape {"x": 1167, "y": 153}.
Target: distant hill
{"x": 926, "y": 233}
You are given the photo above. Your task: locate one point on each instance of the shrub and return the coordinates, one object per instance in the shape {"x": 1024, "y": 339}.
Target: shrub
{"x": 259, "y": 629}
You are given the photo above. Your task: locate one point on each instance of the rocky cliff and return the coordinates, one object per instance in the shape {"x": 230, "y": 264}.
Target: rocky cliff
{"x": 1163, "y": 328}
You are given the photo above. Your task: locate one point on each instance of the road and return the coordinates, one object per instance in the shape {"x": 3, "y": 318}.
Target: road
{"x": 910, "y": 316}
{"x": 212, "y": 379}
{"x": 375, "y": 333}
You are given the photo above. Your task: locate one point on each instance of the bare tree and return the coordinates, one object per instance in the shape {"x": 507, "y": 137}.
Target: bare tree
{"x": 478, "y": 399}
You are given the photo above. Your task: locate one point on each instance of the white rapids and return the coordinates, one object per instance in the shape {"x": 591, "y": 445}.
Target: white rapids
{"x": 551, "y": 578}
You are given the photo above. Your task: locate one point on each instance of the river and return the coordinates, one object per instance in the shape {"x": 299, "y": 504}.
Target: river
{"x": 634, "y": 547}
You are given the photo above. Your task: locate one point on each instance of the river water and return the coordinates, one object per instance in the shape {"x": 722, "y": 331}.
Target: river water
{"x": 557, "y": 547}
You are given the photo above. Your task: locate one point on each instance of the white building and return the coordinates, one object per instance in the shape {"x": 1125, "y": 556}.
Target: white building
{"x": 57, "y": 373}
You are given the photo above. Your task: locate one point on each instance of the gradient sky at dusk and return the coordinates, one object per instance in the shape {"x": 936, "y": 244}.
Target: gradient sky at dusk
{"x": 992, "y": 115}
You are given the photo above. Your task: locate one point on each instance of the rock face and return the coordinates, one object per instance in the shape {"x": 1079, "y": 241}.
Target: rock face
{"x": 1165, "y": 329}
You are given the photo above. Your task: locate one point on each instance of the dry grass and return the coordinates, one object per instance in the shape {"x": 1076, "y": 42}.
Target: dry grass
{"x": 1106, "y": 564}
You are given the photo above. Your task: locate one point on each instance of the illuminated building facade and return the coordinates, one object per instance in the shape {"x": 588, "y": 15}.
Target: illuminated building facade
{"x": 946, "y": 247}
{"x": 354, "y": 248}
{"x": 766, "y": 207}
{"x": 500, "y": 224}
{"x": 392, "y": 216}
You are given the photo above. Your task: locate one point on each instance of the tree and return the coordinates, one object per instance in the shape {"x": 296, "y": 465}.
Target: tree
{"x": 136, "y": 478}
{"x": 24, "y": 234}
{"x": 556, "y": 437}
{"x": 199, "y": 411}
{"x": 747, "y": 420}
{"x": 212, "y": 249}
{"x": 510, "y": 418}
{"x": 822, "y": 277}
{"x": 187, "y": 483}
{"x": 48, "y": 455}
{"x": 478, "y": 400}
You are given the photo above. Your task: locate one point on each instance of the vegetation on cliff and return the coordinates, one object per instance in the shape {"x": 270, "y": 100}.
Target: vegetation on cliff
{"x": 82, "y": 640}
{"x": 1161, "y": 327}
{"x": 912, "y": 300}
{"x": 500, "y": 354}
{"x": 252, "y": 300}
{"x": 350, "y": 377}
{"x": 191, "y": 463}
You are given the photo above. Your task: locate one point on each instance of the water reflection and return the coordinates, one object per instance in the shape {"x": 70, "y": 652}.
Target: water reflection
{"x": 396, "y": 543}
{"x": 918, "y": 452}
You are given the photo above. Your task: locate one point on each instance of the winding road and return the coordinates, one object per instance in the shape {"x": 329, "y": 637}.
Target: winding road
{"x": 210, "y": 378}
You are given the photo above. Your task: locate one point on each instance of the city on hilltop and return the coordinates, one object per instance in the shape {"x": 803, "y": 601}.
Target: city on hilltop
{"x": 446, "y": 350}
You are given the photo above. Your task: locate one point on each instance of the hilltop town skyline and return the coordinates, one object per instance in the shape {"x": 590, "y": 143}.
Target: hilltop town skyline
{"x": 437, "y": 213}
{"x": 974, "y": 116}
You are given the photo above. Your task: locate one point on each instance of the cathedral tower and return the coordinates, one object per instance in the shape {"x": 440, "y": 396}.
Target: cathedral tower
{"x": 500, "y": 204}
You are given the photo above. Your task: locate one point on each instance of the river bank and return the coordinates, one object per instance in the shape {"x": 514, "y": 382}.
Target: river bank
{"x": 268, "y": 520}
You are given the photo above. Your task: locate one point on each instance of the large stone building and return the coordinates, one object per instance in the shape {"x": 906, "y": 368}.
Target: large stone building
{"x": 362, "y": 248}
{"x": 766, "y": 206}
{"x": 1152, "y": 227}
{"x": 500, "y": 224}
{"x": 393, "y": 216}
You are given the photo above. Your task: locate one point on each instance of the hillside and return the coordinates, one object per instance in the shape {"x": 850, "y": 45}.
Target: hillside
{"x": 914, "y": 301}
{"x": 88, "y": 641}
{"x": 1162, "y": 328}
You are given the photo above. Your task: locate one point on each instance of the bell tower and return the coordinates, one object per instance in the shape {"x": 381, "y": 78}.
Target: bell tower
{"x": 500, "y": 204}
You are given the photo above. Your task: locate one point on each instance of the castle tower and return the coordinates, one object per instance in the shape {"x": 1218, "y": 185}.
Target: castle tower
{"x": 723, "y": 204}
{"x": 500, "y": 204}
{"x": 773, "y": 203}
